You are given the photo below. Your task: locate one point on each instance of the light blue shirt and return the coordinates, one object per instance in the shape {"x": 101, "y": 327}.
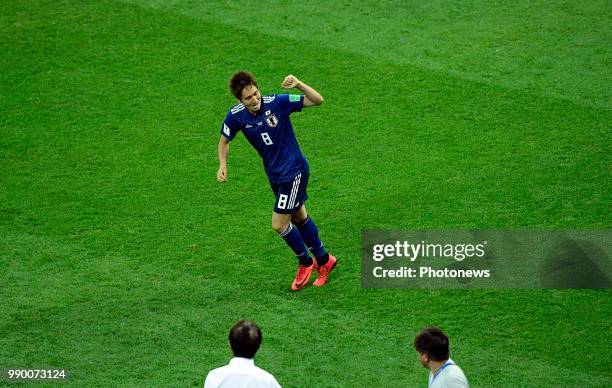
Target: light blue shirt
{"x": 448, "y": 376}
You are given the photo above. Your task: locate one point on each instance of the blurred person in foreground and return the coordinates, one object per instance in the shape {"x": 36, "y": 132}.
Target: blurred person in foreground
{"x": 241, "y": 372}
{"x": 432, "y": 346}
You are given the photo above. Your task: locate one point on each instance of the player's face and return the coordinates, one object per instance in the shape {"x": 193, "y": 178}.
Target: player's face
{"x": 251, "y": 98}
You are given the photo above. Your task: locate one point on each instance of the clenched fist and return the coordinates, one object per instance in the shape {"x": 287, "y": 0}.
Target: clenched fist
{"x": 290, "y": 81}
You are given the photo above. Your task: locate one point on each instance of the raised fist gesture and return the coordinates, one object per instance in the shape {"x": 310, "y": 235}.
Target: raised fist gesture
{"x": 290, "y": 81}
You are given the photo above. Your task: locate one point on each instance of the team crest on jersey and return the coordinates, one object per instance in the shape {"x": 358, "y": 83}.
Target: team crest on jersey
{"x": 271, "y": 120}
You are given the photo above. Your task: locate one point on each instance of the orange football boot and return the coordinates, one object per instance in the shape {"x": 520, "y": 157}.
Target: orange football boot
{"x": 303, "y": 275}
{"x": 324, "y": 271}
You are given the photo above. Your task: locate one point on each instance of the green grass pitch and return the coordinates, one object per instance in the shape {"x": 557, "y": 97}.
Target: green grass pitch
{"x": 124, "y": 262}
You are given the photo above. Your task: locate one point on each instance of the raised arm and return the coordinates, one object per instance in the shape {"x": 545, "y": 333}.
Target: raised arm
{"x": 223, "y": 151}
{"x": 311, "y": 96}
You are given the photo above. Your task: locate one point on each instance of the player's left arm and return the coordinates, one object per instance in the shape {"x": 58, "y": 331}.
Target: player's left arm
{"x": 311, "y": 96}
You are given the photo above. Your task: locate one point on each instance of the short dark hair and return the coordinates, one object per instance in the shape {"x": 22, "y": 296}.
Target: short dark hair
{"x": 433, "y": 342}
{"x": 245, "y": 338}
{"x": 241, "y": 80}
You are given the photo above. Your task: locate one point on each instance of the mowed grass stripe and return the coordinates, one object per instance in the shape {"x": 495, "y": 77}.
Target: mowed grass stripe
{"x": 558, "y": 49}
{"x": 165, "y": 315}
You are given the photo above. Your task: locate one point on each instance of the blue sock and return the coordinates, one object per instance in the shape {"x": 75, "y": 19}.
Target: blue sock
{"x": 310, "y": 235}
{"x": 294, "y": 240}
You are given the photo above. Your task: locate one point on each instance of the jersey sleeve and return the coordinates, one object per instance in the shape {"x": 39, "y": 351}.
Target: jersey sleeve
{"x": 290, "y": 103}
{"x": 229, "y": 128}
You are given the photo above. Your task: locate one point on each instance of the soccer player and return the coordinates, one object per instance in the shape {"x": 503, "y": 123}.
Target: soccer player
{"x": 432, "y": 345}
{"x": 266, "y": 125}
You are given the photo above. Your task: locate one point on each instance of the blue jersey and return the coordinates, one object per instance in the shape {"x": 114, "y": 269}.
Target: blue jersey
{"x": 270, "y": 132}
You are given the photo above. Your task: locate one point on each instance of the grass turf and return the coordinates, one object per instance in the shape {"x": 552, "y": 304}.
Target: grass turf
{"x": 126, "y": 263}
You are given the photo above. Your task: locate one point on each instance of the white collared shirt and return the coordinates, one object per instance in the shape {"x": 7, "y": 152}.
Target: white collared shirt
{"x": 240, "y": 373}
{"x": 450, "y": 377}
